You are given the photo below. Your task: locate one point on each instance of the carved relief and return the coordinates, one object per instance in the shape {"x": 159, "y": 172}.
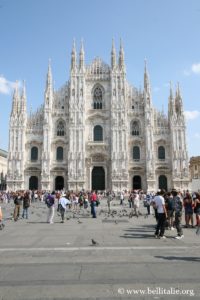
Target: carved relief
{"x": 97, "y": 158}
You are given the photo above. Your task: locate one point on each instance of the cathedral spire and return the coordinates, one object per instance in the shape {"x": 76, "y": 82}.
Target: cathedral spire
{"x": 170, "y": 101}
{"x": 170, "y": 91}
{"x": 113, "y": 56}
{"x": 121, "y": 57}
{"x": 146, "y": 78}
{"x": 23, "y": 97}
{"x": 73, "y": 56}
{"x": 147, "y": 86}
{"x": 49, "y": 77}
{"x": 82, "y": 57}
{"x": 49, "y": 87}
{"x": 178, "y": 100}
{"x": 15, "y": 99}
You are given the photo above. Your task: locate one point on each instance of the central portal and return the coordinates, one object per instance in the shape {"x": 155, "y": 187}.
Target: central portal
{"x": 59, "y": 183}
{"x": 98, "y": 178}
{"x": 137, "y": 183}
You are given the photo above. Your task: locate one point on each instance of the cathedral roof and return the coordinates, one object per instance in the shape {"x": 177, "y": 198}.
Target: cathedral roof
{"x": 3, "y": 153}
{"x": 98, "y": 67}
{"x": 35, "y": 119}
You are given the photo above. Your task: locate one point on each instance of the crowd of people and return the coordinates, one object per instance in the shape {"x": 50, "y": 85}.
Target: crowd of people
{"x": 167, "y": 207}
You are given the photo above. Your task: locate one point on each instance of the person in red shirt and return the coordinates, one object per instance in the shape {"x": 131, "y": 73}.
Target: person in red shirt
{"x": 93, "y": 199}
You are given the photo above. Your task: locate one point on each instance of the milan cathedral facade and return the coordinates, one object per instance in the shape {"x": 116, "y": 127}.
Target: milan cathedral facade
{"x": 97, "y": 132}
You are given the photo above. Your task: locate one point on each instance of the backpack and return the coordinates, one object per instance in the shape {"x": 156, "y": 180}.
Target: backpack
{"x": 170, "y": 204}
{"x": 49, "y": 201}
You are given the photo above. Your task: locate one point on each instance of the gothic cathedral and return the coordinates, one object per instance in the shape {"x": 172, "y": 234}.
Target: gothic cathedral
{"x": 97, "y": 132}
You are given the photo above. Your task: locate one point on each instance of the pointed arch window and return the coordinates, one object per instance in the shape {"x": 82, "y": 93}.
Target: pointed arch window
{"x": 60, "y": 128}
{"x": 59, "y": 153}
{"x": 34, "y": 153}
{"x": 98, "y": 133}
{"x": 136, "y": 153}
{"x": 161, "y": 152}
{"x": 135, "y": 128}
{"x": 97, "y": 98}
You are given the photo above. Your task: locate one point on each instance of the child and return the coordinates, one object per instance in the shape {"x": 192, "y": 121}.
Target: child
{"x": 1, "y": 220}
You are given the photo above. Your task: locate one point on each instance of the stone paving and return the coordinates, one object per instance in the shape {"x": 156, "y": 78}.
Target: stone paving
{"x": 58, "y": 261}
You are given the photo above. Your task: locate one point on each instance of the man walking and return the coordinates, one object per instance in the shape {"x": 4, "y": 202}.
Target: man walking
{"x": 93, "y": 200}
{"x": 17, "y": 201}
{"x": 50, "y": 202}
{"x": 109, "y": 199}
{"x": 178, "y": 206}
{"x": 62, "y": 204}
{"x": 159, "y": 204}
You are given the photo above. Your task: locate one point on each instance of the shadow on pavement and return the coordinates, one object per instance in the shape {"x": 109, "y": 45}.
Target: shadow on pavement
{"x": 186, "y": 258}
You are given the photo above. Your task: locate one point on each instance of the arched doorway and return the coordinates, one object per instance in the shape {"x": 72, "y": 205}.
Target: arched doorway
{"x": 59, "y": 183}
{"x": 162, "y": 182}
{"x": 33, "y": 183}
{"x": 98, "y": 178}
{"x": 137, "y": 185}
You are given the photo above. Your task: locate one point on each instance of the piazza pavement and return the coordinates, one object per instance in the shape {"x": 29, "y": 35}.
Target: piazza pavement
{"x": 40, "y": 261}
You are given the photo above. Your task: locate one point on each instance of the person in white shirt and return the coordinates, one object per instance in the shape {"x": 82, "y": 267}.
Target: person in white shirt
{"x": 136, "y": 204}
{"x": 159, "y": 203}
{"x": 63, "y": 202}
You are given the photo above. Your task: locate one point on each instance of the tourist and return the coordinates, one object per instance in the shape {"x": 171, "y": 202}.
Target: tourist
{"x": 197, "y": 208}
{"x": 50, "y": 202}
{"x": 169, "y": 203}
{"x": 131, "y": 200}
{"x": 93, "y": 199}
{"x": 26, "y": 204}
{"x": 18, "y": 198}
{"x": 147, "y": 203}
{"x": 75, "y": 202}
{"x": 189, "y": 209}
{"x": 159, "y": 203}
{"x": 121, "y": 198}
{"x": 136, "y": 204}
{"x": 62, "y": 204}
{"x": 178, "y": 206}
{"x": 1, "y": 219}
{"x": 109, "y": 199}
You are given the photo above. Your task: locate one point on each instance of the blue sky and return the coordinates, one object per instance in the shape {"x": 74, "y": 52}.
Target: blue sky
{"x": 166, "y": 33}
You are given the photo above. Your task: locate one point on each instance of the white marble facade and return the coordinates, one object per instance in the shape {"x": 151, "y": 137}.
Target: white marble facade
{"x": 97, "y": 132}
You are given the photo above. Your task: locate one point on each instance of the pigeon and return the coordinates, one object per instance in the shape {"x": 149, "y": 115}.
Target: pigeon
{"x": 94, "y": 243}
{"x": 116, "y": 222}
{"x": 79, "y": 222}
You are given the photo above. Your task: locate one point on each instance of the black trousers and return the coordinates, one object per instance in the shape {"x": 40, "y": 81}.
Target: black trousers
{"x": 178, "y": 218}
{"x": 160, "y": 228}
{"x": 62, "y": 212}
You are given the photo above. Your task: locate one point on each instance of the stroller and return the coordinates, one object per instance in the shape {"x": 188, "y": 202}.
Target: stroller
{"x": 2, "y": 225}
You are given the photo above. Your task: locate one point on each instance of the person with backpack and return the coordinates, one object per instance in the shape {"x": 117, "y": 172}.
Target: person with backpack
{"x": 50, "y": 202}
{"x": 26, "y": 204}
{"x": 178, "y": 207}
{"x": 18, "y": 198}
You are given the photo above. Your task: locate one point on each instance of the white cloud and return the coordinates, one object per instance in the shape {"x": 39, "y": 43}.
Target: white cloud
{"x": 196, "y": 68}
{"x": 191, "y": 115}
{"x": 6, "y": 86}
